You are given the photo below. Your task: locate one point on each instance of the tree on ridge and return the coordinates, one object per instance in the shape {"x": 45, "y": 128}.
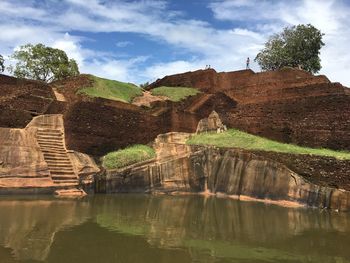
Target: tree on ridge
{"x": 296, "y": 46}
{"x": 40, "y": 62}
{"x": 2, "y": 66}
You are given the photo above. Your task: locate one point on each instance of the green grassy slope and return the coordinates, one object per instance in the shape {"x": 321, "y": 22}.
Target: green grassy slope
{"x": 174, "y": 93}
{"x": 111, "y": 89}
{"x": 239, "y": 139}
{"x": 128, "y": 156}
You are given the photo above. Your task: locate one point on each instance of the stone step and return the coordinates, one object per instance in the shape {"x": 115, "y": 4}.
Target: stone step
{"x": 52, "y": 159}
{"x": 54, "y": 134}
{"x": 49, "y": 132}
{"x": 55, "y": 153}
{"x": 74, "y": 192}
{"x": 53, "y": 148}
{"x": 66, "y": 183}
{"x": 64, "y": 177}
{"x": 57, "y": 165}
{"x": 61, "y": 169}
{"x": 71, "y": 181}
{"x": 56, "y": 156}
{"x": 59, "y": 172}
{"x": 49, "y": 141}
{"x": 55, "y": 175}
{"x": 59, "y": 162}
{"x": 41, "y": 125}
{"x": 56, "y": 159}
{"x": 49, "y": 137}
{"x": 51, "y": 162}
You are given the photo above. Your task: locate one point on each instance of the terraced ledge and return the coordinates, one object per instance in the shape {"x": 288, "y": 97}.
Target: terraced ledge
{"x": 238, "y": 139}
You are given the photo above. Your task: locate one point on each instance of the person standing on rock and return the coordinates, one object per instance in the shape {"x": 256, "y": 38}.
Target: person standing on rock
{"x": 248, "y": 61}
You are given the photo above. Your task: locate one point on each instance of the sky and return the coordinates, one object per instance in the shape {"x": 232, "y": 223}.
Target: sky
{"x": 139, "y": 41}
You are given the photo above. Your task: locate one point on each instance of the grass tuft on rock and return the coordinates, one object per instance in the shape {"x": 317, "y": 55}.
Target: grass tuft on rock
{"x": 130, "y": 155}
{"x": 111, "y": 89}
{"x": 175, "y": 94}
{"x": 238, "y": 139}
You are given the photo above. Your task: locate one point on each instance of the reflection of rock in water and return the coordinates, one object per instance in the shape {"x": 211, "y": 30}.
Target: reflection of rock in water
{"x": 204, "y": 223}
{"x": 204, "y": 228}
{"x": 28, "y": 227}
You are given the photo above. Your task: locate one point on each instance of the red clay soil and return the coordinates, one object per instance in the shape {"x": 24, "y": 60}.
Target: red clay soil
{"x": 22, "y": 99}
{"x": 288, "y": 105}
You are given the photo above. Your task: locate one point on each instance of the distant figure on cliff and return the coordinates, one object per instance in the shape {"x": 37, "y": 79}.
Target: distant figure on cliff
{"x": 248, "y": 61}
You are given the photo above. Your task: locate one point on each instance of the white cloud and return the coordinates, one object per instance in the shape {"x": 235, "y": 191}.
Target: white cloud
{"x": 163, "y": 69}
{"x": 330, "y": 16}
{"x": 123, "y": 44}
{"x": 122, "y": 70}
{"x": 224, "y": 49}
{"x": 71, "y": 46}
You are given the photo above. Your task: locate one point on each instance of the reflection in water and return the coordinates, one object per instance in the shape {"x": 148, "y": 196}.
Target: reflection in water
{"x": 141, "y": 228}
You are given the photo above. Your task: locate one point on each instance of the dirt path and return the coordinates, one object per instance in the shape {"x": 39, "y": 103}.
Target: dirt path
{"x": 147, "y": 98}
{"x": 59, "y": 96}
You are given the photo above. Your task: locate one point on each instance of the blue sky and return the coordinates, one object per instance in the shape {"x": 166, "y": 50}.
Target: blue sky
{"x": 139, "y": 41}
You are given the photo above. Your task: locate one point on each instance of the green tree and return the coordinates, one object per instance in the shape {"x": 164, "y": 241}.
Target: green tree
{"x": 144, "y": 85}
{"x": 43, "y": 63}
{"x": 2, "y": 67}
{"x": 296, "y": 46}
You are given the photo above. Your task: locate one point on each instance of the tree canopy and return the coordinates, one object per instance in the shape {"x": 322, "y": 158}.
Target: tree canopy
{"x": 2, "y": 66}
{"x": 296, "y": 46}
{"x": 43, "y": 63}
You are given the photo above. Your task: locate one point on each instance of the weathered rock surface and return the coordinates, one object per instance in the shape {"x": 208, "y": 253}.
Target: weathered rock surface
{"x": 212, "y": 123}
{"x": 237, "y": 173}
{"x": 35, "y": 159}
{"x": 289, "y": 105}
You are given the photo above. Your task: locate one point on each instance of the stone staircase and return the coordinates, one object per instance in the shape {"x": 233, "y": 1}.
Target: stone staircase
{"x": 51, "y": 142}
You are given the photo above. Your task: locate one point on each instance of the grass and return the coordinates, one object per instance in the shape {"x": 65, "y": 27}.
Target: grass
{"x": 111, "y": 89}
{"x": 127, "y": 156}
{"x": 239, "y": 139}
{"x": 175, "y": 94}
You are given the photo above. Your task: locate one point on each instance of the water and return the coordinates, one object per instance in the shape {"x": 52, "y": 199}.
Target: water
{"x": 143, "y": 228}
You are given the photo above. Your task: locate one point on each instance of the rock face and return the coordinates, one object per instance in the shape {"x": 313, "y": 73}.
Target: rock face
{"x": 210, "y": 124}
{"x": 35, "y": 159}
{"x": 237, "y": 173}
{"x": 289, "y": 105}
